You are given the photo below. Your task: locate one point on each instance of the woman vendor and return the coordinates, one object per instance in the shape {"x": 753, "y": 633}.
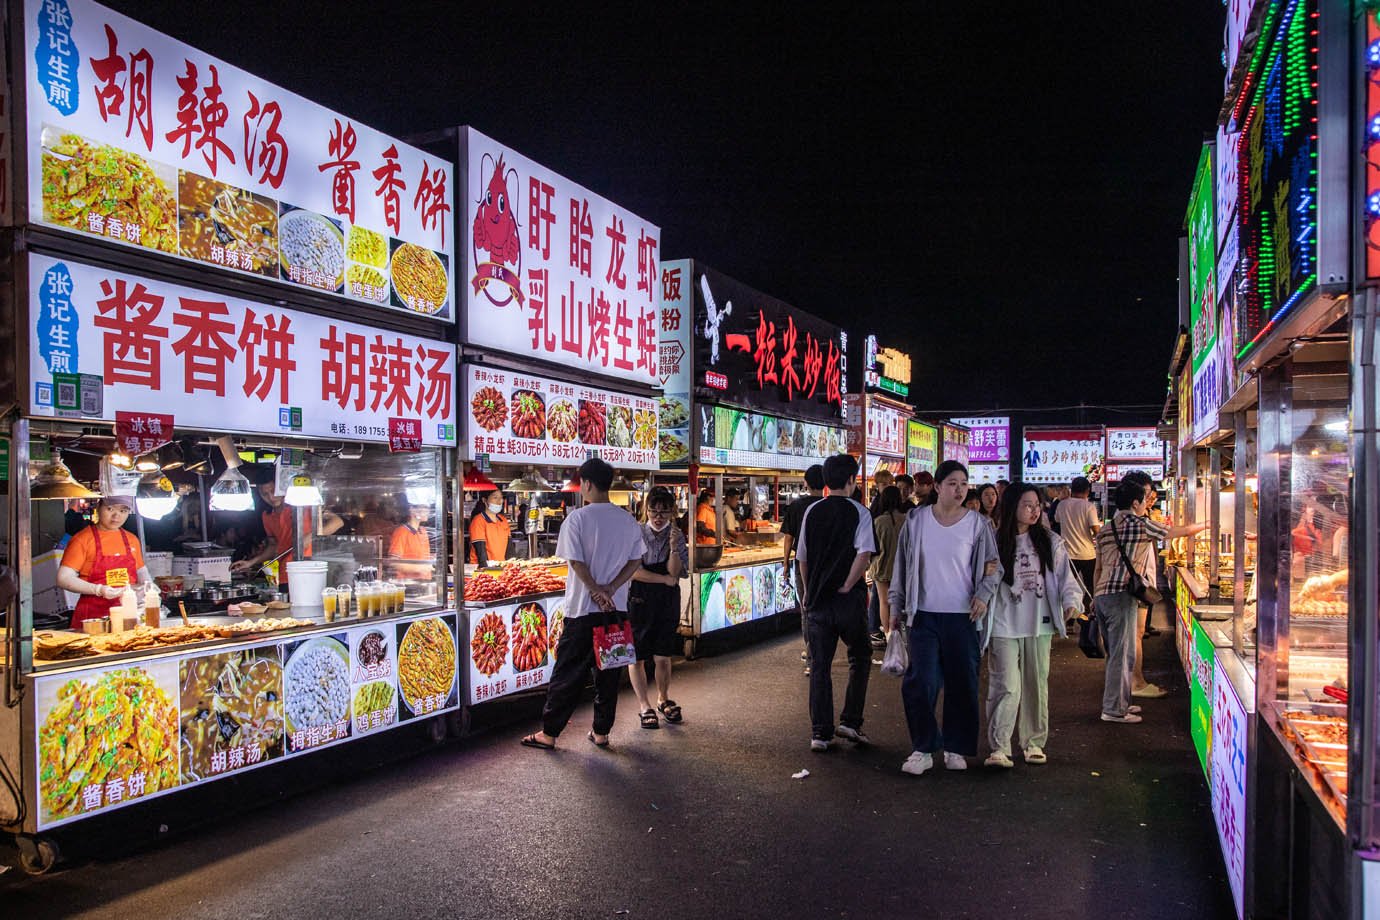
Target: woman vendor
{"x": 411, "y": 541}
{"x": 100, "y": 560}
{"x": 489, "y": 530}
{"x": 277, "y": 521}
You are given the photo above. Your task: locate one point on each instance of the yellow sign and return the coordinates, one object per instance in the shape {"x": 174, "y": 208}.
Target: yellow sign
{"x": 892, "y": 363}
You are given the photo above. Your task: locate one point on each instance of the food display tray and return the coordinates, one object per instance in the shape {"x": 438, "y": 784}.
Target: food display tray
{"x": 1328, "y": 756}
{"x": 515, "y": 599}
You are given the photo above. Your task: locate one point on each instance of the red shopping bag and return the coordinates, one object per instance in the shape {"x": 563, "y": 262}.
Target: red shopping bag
{"x": 613, "y": 643}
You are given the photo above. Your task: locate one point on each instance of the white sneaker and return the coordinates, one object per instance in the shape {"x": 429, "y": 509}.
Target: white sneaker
{"x": 954, "y": 761}
{"x": 1035, "y": 755}
{"x": 1129, "y": 717}
{"x": 854, "y": 735}
{"x": 918, "y": 762}
{"x": 819, "y": 745}
{"x": 998, "y": 759}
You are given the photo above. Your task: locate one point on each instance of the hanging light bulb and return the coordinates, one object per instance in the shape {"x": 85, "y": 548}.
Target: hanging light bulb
{"x": 121, "y": 460}
{"x": 155, "y": 498}
{"x": 55, "y": 481}
{"x": 148, "y": 463}
{"x": 232, "y": 492}
{"x": 302, "y": 493}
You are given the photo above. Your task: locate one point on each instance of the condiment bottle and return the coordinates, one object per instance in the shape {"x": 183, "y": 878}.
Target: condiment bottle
{"x": 153, "y": 600}
{"x": 125, "y": 614}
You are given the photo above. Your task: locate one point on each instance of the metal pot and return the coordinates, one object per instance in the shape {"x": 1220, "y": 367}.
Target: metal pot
{"x": 708, "y": 555}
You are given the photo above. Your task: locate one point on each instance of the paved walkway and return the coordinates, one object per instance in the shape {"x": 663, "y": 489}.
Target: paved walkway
{"x": 695, "y": 820}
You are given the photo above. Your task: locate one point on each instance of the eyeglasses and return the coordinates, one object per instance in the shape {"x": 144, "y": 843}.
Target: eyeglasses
{"x": 658, "y": 512}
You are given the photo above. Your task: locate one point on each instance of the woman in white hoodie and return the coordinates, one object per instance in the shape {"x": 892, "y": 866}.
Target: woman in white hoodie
{"x": 1037, "y": 596}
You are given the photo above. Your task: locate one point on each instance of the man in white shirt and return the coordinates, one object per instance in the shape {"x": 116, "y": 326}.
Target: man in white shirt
{"x": 603, "y": 545}
{"x": 1079, "y": 522}
{"x": 836, "y": 544}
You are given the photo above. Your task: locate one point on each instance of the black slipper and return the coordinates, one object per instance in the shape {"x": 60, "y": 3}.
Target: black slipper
{"x": 670, "y": 710}
{"x": 648, "y": 719}
{"x": 533, "y": 741}
{"x": 604, "y": 743}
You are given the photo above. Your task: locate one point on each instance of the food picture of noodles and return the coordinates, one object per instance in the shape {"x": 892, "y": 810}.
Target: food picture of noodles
{"x": 101, "y": 189}
{"x": 232, "y": 711}
{"x": 107, "y": 738}
{"x": 426, "y": 663}
{"x": 228, "y": 226}
{"x": 419, "y": 278}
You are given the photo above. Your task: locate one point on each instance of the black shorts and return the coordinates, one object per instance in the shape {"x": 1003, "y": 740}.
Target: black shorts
{"x": 655, "y": 619}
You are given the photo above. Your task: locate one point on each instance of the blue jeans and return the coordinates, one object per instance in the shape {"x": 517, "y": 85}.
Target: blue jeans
{"x": 943, "y": 656}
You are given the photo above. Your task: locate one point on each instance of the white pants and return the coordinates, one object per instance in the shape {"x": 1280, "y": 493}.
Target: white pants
{"x": 1018, "y": 692}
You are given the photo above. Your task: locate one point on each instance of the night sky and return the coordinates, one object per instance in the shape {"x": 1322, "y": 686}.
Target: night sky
{"x": 997, "y": 188}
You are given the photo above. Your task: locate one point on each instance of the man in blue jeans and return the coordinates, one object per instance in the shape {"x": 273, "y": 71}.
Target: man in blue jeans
{"x": 835, "y": 547}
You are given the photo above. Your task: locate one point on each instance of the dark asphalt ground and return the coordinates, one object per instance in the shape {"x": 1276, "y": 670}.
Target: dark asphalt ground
{"x": 701, "y": 819}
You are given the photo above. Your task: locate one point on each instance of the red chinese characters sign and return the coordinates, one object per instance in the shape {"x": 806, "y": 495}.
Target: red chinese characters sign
{"x": 764, "y": 353}
{"x": 318, "y": 199}
{"x": 233, "y": 365}
{"x": 140, "y": 432}
{"x": 404, "y": 435}
{"x": 554, "y": 271}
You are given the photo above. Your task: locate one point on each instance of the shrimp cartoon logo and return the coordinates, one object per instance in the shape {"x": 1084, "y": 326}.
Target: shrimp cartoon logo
{"x": 495, "y": 233}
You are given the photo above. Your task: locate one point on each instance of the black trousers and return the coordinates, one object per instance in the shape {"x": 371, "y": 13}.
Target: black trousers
{"x": 574, "y": 660}
{"x": 838, "y": 616}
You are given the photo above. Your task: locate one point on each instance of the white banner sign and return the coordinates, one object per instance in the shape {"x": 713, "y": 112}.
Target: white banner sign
{"x": 1060, "y": 455}
{"x": 225, "y": 364}
{"x": 1141, "y": 443}
{"x": 555, "y": 272}
{"x": 144, "y": 141}
{"x": 518, "y": 418}
{"x": 674, "y": 359}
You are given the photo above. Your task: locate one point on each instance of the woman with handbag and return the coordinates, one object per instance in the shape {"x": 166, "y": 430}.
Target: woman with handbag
{"x": 1037, "y": 596}
{"x": 654, "y": 607}
{"x": 1124, "y": 579}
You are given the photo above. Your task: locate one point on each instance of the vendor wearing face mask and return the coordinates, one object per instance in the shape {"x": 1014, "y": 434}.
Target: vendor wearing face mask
{"x": 489, "y": 530}
{"x": 101, "y": 560}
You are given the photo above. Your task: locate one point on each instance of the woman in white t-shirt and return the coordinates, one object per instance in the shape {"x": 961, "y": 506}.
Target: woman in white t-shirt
{"x": 945, "y": 573}
{"x": 1035, "y": 599}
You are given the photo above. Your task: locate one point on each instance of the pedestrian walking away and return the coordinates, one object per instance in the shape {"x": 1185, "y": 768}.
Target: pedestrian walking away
{"x": 836, "y": 546}
{"x": 1078, "y": 523}
{"x": 945, "y": 574}
{"x": 1035, "y": 599}
{"x": 1130, "y": 534}
{"x": 603, "y": 545}
{"x": 886, "y": 527}
{"x": 654, "y": 607}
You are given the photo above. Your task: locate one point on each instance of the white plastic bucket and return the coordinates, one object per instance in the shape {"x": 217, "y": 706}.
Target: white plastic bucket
{"x": 306, "y": 581}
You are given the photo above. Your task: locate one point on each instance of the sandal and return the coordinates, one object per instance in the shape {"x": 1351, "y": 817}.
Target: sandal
{"x": 597, "y": 743}
{"x": 533, "y": 741}
{"x": 670, "y": 710}
{"x": 649, "y": 719}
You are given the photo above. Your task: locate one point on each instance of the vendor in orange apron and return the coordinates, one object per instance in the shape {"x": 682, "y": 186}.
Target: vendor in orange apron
{"x": 489, "y": 530}
{"x": 277, "y": 521}
{"x": 101, "y": 560}
{"x": 411, "y": 541}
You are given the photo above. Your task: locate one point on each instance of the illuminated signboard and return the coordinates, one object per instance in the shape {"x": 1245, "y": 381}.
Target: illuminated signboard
{"x": 922, "y": 443}
{"x": 1279, "y": 174}
{"x": 758, "y": 352}
{"x": 885, "y": 368}
{"x": 1370, "y": 139}
{"x": 988, "y": 439}
{"x": 1202, "y": 259}
{"x": 954, "y": 439}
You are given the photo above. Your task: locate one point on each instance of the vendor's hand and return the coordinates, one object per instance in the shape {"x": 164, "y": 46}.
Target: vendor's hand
{"x": 976, "y": 609}
{"x": 109, "y": 592}
{"x": 243, "y": 565}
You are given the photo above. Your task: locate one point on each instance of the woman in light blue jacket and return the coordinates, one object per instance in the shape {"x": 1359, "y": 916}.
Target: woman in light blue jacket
{"x": 1035, "y": 599}
{"x": 945, "y": 574}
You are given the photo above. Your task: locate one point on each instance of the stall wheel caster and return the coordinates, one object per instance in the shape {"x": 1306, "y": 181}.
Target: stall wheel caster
{"x": 37, "y": 854}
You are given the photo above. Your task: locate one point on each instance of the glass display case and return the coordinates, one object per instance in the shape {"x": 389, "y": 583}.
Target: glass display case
{"x": 1303, "y": 629}
{"x": 1246, "y": 521}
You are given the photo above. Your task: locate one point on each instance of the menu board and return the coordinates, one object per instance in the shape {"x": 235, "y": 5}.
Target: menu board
{"x": 554, "y": 271}
{"x": 192, "y": 157}
{"x": 520, "y": 418}
{"x": 886, "y": 429}
{"x": 1228, "y": 777}
{"x": 756, "y": 351}
{"x": 922, "y": 444}
{"x": 983, "y": 473}
{"x": 103, "y": 341}
{"x": 1059, "y": 455}
{"x": 734, "y": 437}
{"x": 1115, "y": 472}
{"x": 112, "y": 736}
{"x": 731, "y": 597}
{"x": 673, "y": 365}
{"x": 513, "y": 647}
{"x": 989, "y": 438}
{"x": 955, "y": 442}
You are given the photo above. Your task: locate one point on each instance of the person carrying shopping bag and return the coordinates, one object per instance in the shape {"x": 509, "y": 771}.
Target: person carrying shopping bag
{"x": 945, "y": 574}
{"x": 1035, "y": 599}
